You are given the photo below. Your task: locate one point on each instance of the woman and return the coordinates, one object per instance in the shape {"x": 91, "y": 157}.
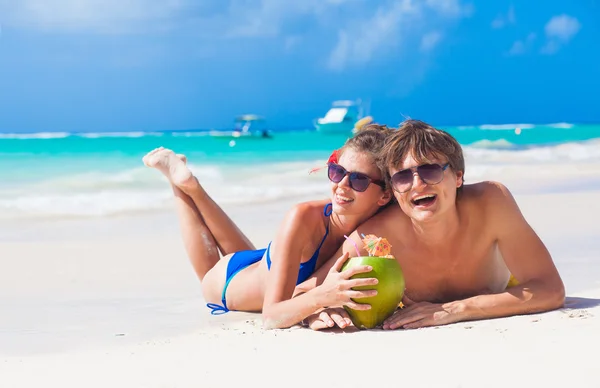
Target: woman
{"x": 248, "y": 279}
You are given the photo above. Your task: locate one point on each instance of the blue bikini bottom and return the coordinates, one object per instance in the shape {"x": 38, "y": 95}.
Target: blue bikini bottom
{"x": 238, "y": 262}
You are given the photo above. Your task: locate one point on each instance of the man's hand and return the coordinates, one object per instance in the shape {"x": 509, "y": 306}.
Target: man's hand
{"x": 418, "y": 315}
{"x": 329, "y": 318}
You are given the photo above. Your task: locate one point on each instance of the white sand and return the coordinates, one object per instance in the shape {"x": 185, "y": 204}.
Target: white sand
{"x": 114, "y": 302}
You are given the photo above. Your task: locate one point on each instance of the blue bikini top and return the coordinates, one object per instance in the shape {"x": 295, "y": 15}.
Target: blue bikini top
{"x": 307, "y": 268}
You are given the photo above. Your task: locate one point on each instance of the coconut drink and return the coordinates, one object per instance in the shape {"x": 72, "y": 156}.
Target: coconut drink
{"x": 390, "y": 288}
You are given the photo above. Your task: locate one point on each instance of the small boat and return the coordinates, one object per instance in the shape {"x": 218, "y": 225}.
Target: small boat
{"x": 245, "y": 126}
{"x": 341, "y": 117}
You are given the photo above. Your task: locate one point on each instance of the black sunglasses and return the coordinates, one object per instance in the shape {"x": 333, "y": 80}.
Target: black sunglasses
{"x": 357, "y": 180}
{"x": 431, "y": 174}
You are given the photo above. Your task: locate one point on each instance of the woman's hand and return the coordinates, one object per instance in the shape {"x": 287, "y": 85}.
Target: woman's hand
{"x": 336, "y": 290}
{"x": 329, "y": 318}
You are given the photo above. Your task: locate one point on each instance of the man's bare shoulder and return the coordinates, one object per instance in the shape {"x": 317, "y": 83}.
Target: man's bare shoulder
{"x": 386, "y": 223}
{"x": 381, "y": 223}
{"x": 488, "y": 196}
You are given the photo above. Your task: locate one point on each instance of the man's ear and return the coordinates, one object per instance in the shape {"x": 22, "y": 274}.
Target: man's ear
{"x": 459, "y": 179}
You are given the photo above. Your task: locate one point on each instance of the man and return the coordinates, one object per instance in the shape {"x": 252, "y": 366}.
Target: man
{"x": 457, "y": 244}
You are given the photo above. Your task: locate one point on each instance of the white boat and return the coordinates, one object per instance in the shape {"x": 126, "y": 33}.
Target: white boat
{"x": 341, "y": 117}
{"x": 245, "y": 126}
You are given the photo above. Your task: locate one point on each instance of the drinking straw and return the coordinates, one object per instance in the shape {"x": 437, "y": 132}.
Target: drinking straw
{"x": 353, "y": 243}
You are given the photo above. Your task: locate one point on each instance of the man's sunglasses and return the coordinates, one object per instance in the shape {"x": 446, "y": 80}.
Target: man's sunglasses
{"x": 431, "y": 174}
{"x": 357, "y": 180}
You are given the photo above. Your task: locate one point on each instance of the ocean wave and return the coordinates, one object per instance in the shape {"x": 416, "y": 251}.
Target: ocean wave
{"x": 103, "y": 203}
{"x": 89, "y": 135}
{"x": 96, "y": 135}
{"x": 98, "y": 193}
{"x": 113, "y": 134}
{"x": 500, "y": 143}
{"x": 129, "y": 178}
{"x": 561, "y": 125}
{"x": 118, "y": 201}
{"x": 38, "y": 135}
{"x": 504, "y": 127}
{"x": 489, "y": 151}
{"x": 570, "y": 160}
{"x": 190, "y": 134}
{"x": 508, "y": 127}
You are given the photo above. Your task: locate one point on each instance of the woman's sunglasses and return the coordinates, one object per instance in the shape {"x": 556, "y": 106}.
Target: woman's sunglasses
{"x": 431, "y": 174}
{"x": 356, "y": 180}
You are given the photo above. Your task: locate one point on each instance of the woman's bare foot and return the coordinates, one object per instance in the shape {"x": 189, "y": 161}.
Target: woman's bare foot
{"x": 172, "y": 165}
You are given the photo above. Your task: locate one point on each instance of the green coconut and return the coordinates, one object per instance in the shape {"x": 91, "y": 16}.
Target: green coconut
{"x": 390, "y": 290}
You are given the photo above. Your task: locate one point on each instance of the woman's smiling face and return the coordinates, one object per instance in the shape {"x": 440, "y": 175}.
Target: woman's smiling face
{"x": 347, "y": 201}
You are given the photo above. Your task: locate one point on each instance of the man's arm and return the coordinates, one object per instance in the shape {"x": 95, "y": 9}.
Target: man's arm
{"x": 540, "y": 286}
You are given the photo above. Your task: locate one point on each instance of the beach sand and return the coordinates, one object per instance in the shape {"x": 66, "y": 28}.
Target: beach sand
{"x": 114, "y": 302}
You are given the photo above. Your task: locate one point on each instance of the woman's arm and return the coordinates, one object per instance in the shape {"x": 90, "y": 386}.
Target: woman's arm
{"x": 319, "y": 276}
{"x": 296, "y": 234}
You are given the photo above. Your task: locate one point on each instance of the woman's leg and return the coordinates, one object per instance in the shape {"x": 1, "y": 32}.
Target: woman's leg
{"x": 200, "y": 242}
{"x": 228, "y": 236}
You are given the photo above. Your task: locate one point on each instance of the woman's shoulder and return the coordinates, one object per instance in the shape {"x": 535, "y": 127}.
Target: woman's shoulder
{"x": 308, "y": 212}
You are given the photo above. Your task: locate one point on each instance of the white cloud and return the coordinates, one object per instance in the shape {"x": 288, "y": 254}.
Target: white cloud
{"x": 559, "y": 31}
{"x": 522, "y": 46}
{"x": 340, "y": 53}
{"x": 98, "y": 16}
{"x": 230, "y": 18}
{"x": 452, "y": 8}
{"x": 358, "y": 43}
{"x": 358, "y": 29}
{"x": 267, "y": 18}
{"x": 551, "y": 47}
{"x": 562, "y": 27}
{"x": 503, "y": 20}
{"x": 388, "y": 27}
{"x": 430, "y": 40}
{"x": 517, "y": 48}
{"x": 261, "y": 18}
{"x": 290, "y": 42}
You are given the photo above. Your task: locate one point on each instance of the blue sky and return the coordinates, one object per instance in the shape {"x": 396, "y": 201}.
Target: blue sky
{"x": 114, "y": 65}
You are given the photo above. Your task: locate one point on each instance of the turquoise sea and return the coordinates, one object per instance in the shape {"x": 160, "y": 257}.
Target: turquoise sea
{"x": 58, "y": 174}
